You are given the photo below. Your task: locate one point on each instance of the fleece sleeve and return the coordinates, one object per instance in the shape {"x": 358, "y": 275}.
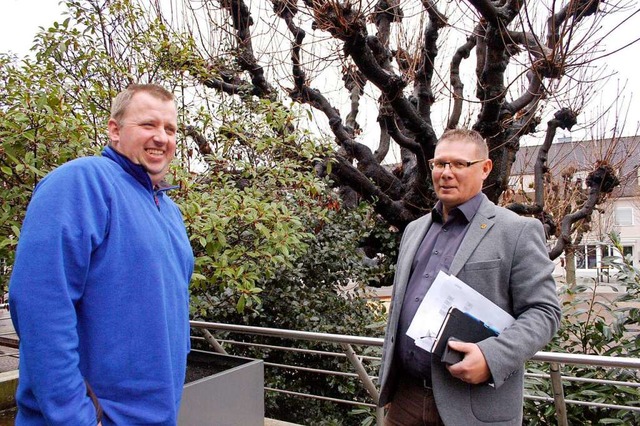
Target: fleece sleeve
{"x": 65, "y": 221}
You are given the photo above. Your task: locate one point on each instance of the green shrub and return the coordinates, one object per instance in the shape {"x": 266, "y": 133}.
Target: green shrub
{"x": 595, "y": 326}
{"x": 312, "y": 296}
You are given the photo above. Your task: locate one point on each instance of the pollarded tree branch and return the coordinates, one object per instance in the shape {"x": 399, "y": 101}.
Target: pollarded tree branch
{"x": 600, "y": 182}
{"x": 576, "y": 9}
{"x": 491, "y": 88}
{"x": 530, "y": 97}
{"x": 408, "y": 143}
{"x": 242, "y": 23}
{"x": 368, "y": 166}
{"x": 463, "y": 52}
{"x": 394, "y": 211}
{"x": 203, "y": 144}
{"x": 488, "y": 11}
{"x": 349, "y": 26}
{"x": 532, "y": 44}
{"x": 385, "y": 13}
{"x": 423, "y": 90}
{"x": 493, "y": 62}
{"x": 354, "y": 82}
{"x": 565, "y": 119}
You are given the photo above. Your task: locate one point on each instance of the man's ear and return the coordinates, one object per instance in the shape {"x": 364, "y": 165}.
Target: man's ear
{"x": 486, "y": 168}
{"x": 114, "y": 131}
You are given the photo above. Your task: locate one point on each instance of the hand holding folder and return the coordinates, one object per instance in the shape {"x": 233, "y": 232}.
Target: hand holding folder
{"x": 460, "y": 326}
{"x": 445, "y": 292}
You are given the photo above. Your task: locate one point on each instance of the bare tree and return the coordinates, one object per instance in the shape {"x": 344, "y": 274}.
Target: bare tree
{"x": 524, "y": 60}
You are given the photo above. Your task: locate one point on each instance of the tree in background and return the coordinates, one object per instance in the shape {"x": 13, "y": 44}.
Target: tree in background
{"x": 530, "y": 59}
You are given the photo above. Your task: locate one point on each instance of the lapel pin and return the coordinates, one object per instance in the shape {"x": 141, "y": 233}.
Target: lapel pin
{"x": 483, "y": 226}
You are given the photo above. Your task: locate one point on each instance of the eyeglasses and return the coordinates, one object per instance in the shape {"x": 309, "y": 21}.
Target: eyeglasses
{"x": 454, "y": 165}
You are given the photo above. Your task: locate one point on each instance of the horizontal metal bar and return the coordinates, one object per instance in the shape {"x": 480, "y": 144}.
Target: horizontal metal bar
{"x": 585, "y": 403}
{"x": 300, "y": 350}
{"x": 602, "y": 405}
{"x": 601, "y": 381}
{"x": 324, "y": 398}
{"x": 601, "y": 361}
{"x": 290, "y": 334}
{"x": 311, "y": 370}
{"x": 586, "y": 380}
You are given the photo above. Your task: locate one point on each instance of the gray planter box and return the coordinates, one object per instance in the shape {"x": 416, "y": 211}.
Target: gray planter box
{"x": 222, "y": 390}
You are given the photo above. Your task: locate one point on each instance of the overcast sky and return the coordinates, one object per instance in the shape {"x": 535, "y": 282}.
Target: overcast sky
{"x": 20, "y": 19}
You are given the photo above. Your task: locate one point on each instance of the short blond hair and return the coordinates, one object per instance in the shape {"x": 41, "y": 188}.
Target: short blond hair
{"x": 467, "y": 135}
{"x": 122, "y": 101}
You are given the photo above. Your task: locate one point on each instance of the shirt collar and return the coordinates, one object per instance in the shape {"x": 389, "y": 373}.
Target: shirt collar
{"x": 468, "y": 209}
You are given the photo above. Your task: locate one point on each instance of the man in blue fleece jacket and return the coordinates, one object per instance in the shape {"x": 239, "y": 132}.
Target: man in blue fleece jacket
{"x": 99, "y": 290}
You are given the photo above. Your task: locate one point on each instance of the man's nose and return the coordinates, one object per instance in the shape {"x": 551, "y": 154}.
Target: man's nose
{"x": 446, "y": 170}
{"x": 161, "y": 136}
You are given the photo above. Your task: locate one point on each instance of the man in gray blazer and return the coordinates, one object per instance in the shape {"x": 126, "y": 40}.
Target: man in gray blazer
{"x": 496, "y": 252}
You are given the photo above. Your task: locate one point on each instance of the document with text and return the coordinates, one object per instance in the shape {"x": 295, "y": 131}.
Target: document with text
{"x": 447, "y": 291}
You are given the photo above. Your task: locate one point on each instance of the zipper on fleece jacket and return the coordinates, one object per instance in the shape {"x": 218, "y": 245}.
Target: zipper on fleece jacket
{"x": 158, "y": 189}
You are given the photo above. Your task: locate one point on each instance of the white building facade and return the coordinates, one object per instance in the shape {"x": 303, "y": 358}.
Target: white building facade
{"x": 569, "y": 165}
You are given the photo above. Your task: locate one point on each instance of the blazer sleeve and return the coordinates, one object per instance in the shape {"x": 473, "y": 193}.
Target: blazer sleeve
{"x": 534, "y": 303}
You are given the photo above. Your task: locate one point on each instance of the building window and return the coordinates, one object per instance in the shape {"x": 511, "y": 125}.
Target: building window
{"x": 628, "y": 251}
{"x": 586, "y": 257}
{"x": 623, "y": 216}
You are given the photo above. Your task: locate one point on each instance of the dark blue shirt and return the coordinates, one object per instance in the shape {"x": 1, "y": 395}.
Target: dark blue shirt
{"x": 435, "y": 254}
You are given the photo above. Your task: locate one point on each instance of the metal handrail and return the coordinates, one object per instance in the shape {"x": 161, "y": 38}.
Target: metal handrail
{"x": 554, "y": 359}
{"x": 291, "y": 334}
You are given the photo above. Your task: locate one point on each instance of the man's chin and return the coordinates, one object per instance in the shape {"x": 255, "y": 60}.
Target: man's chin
{"x": 156, "y": 174}
{"x": 447, "y": 194}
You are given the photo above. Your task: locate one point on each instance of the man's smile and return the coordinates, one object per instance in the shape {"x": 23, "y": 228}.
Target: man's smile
{"x": 154, "y": 151}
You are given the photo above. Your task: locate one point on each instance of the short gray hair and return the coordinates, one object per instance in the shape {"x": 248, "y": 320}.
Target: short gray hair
{"x": 467, "y": 135}
{"x": 122, "y": 101}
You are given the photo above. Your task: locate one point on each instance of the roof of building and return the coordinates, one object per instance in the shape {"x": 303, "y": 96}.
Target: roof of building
{"x": 622, "y": 153}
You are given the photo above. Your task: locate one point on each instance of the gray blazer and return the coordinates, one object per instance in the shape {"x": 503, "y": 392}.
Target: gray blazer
{"x": 503, "y": 256}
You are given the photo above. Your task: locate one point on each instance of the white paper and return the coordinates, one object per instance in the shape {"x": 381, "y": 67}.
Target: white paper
{"x": 447, "y": 291}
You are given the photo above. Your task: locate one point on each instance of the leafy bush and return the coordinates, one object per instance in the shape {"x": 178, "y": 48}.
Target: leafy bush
{"x": 39, "y": 130}
{"x": 320, "y": 293}
{"x": 596, "y": 326}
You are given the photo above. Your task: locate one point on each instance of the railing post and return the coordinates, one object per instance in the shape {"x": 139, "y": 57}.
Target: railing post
{"x": 365, "y": 379}
{"x": 558, "y": 394}
{"x": 379, "y": 416}
{"x": 213, "y": 342}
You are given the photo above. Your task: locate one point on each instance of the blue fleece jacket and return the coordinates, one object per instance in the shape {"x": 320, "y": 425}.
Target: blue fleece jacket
{"x": 99, "y": 291}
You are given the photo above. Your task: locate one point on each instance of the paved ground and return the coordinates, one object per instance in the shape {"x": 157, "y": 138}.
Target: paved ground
{"x": 8, "y": 339}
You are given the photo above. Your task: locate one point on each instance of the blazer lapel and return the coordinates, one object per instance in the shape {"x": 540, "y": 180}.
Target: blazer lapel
{"x": 478, "y": 228}
{"x": 414, "y": 239}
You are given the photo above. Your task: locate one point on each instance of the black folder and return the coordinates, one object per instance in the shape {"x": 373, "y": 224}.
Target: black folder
{"x": 459, "y": 326}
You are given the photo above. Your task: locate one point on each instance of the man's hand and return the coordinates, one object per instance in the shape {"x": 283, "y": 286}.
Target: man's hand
{"x": 473, "y": 368}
